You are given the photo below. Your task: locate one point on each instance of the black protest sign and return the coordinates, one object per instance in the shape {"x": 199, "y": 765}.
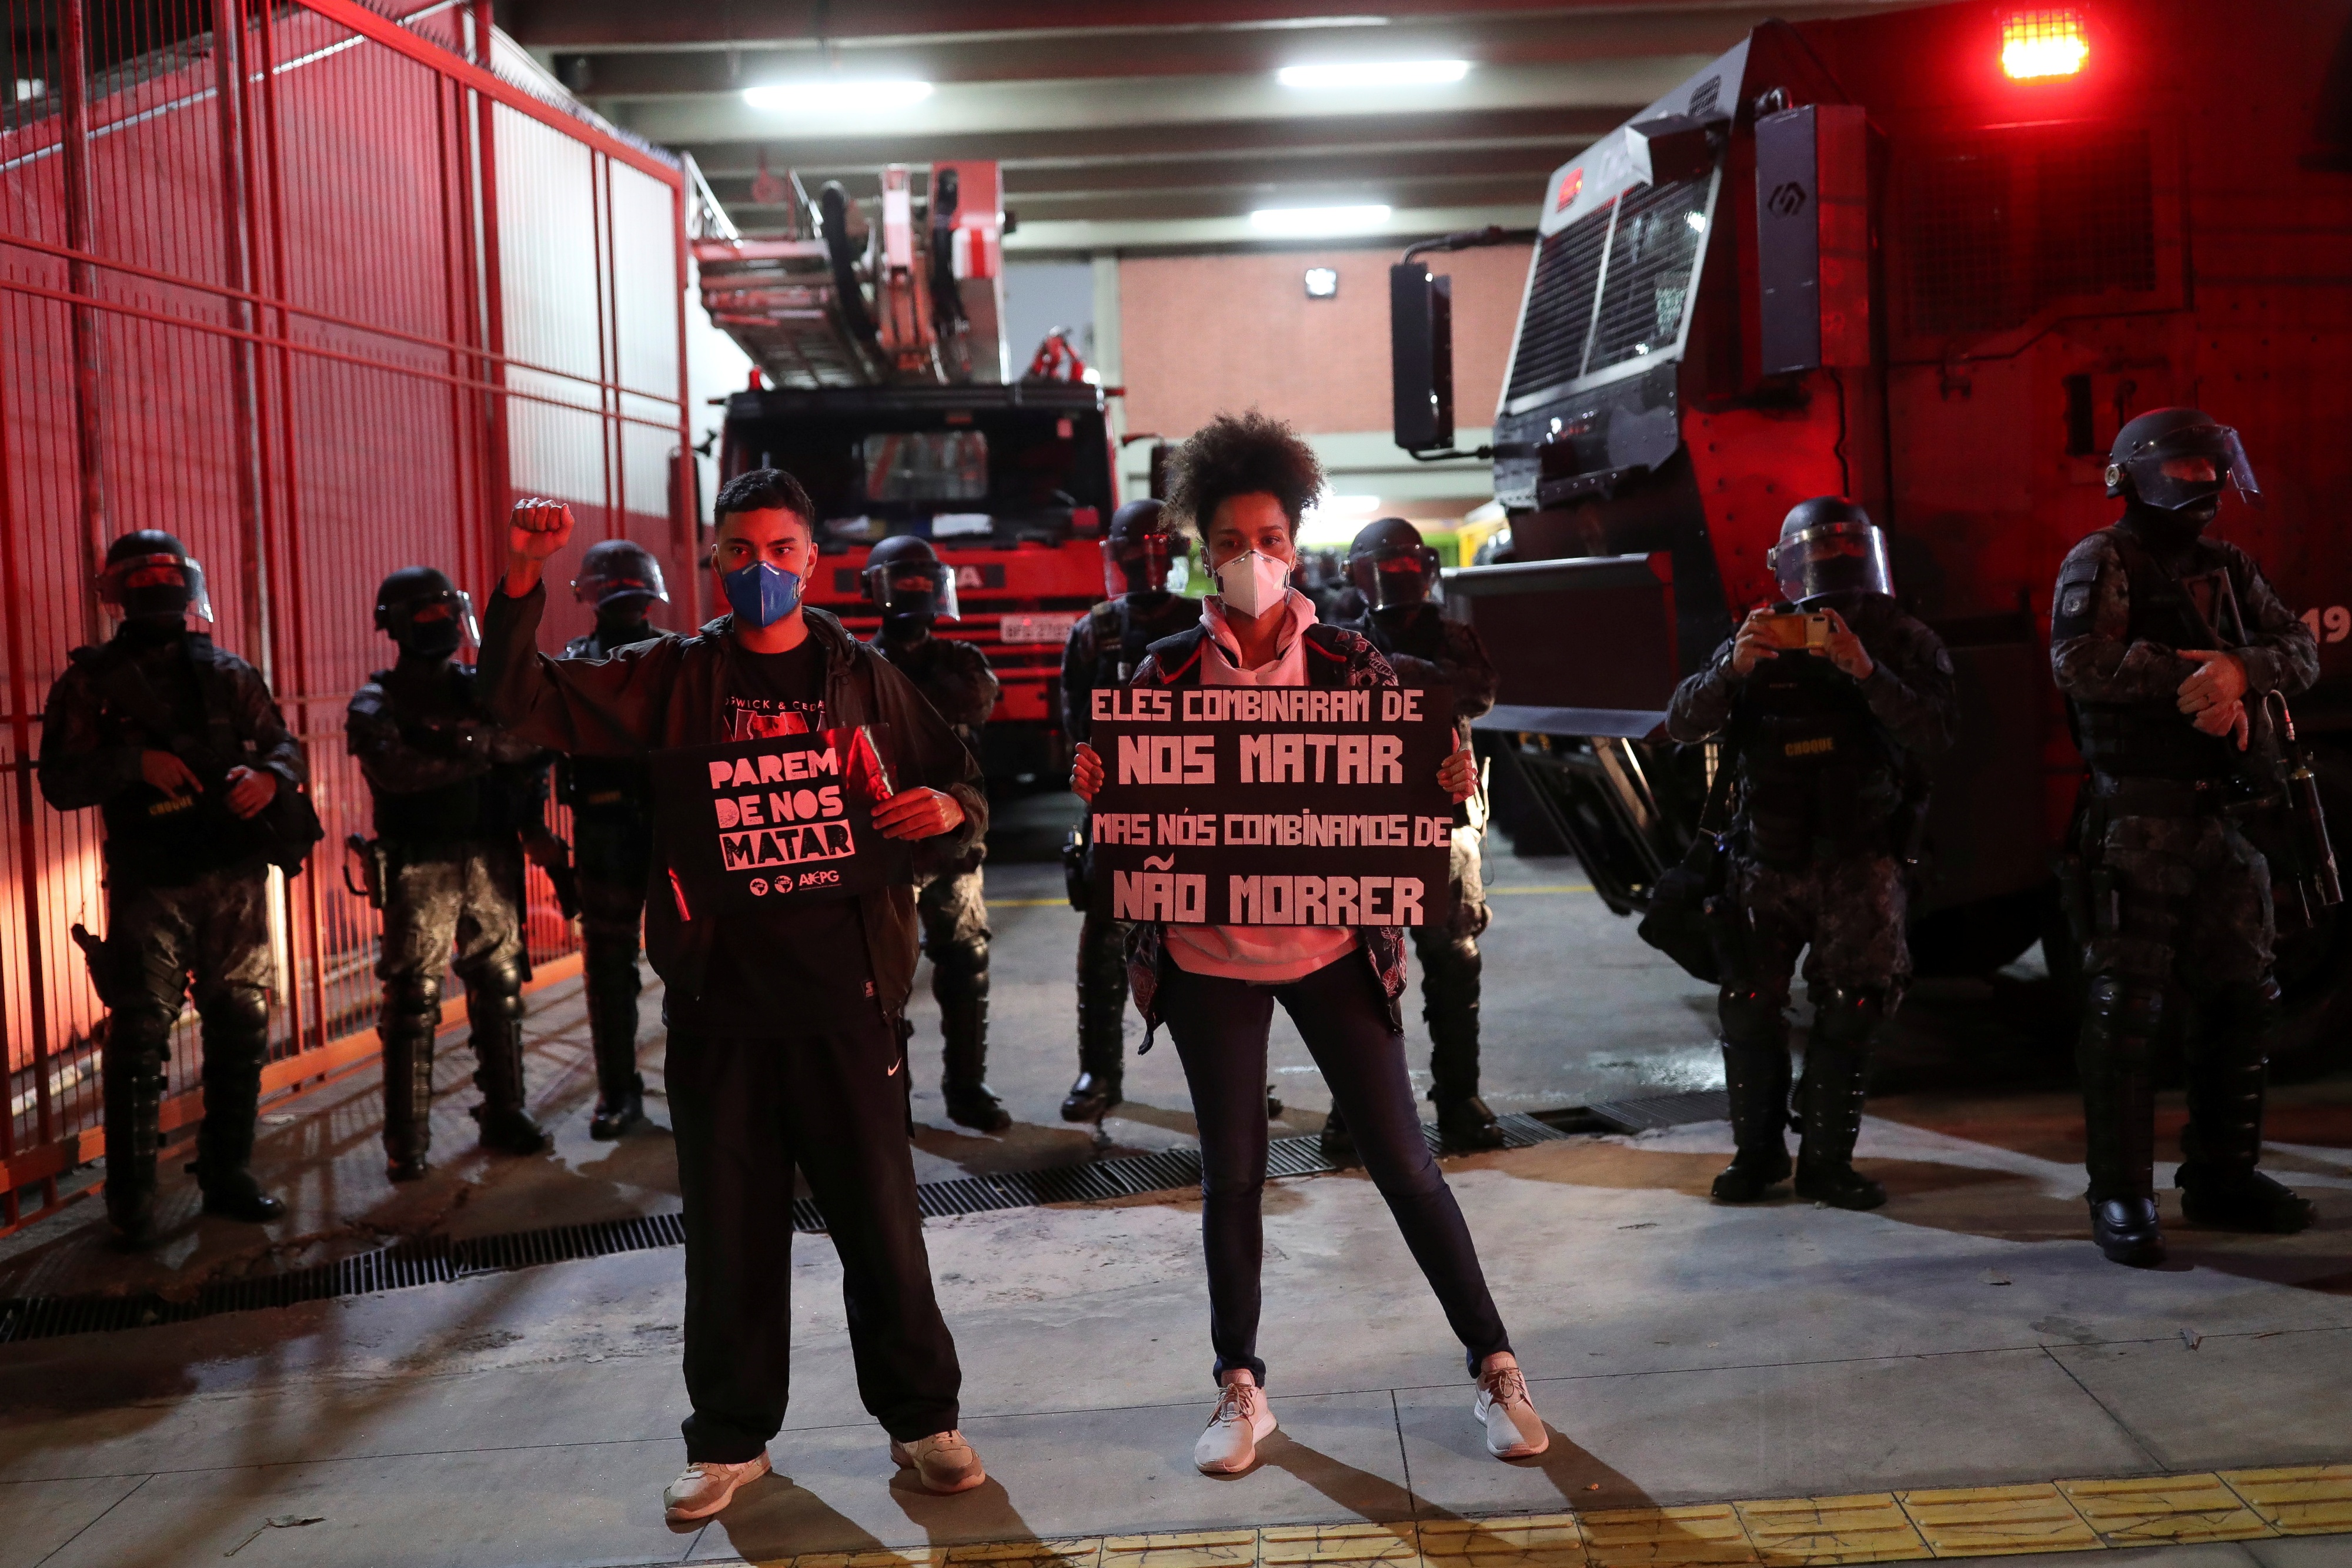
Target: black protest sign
{"x": 783, "y": 818}
{"x": 1271, "y": 805}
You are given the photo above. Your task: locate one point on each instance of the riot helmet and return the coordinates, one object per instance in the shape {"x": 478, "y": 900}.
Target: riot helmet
{"x": 150, "y": 576}
{"x": 1392, "y": 567}
{"x": 2175, "y": 460}
{"x": 1141, "y": 554}
{"x": 426, "y": 614}
{"x": 1830, "y": 548}
{"x": 619, "y": 577}
{"x": 906, "y": 579}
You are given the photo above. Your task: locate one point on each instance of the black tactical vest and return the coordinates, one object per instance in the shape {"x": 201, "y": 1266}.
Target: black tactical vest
{"x": 1818, "y": 776}
{"x": 1125, "y": 631}
{"x": 2154, "y": 739}
{"x": 171, "y": 701}
{"x": 492, "y": 805}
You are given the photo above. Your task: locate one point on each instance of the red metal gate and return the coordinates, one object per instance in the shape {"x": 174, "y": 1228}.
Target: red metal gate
{"x": 319, "y": 288}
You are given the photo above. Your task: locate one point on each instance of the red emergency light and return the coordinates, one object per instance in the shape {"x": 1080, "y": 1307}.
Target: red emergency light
{"x": 2042, "y": 44}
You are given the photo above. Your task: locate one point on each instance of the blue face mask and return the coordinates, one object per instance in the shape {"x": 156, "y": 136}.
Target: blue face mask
{"x": 762, "y": 594}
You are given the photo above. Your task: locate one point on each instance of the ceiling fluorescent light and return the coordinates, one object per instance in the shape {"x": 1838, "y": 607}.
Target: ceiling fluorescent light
{"x": 835, "y": 97}
{"x": 1309, "y": 222}
{"x": 1374, "y": 73}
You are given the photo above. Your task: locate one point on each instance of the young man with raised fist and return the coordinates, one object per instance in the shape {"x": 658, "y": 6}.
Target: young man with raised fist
{"x": 783, "y": 1028}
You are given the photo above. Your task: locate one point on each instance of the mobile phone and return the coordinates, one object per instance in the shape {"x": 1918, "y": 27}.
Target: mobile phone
{"x": 1795, "y": 633}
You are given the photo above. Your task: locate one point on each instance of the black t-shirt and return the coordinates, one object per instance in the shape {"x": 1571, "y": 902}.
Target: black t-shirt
{"x": 803, "y": 968}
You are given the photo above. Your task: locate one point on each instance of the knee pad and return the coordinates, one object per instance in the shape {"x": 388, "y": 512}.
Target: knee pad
{"x": 236, "y": 1014}
{"x": 1750, "y": 1016}
{"x": 2241, "y": 1017}
{"x": 142, "y": 1028}
{"x": 1455, "y": 960}
{"x": 413, "y": 1001}
{"x": 1847, "y": 1016}
{"x": 502, "y": 977}
{"x": 963, "y": 961}
{"x": 485, "y": 1005}
{"x": 2121, "y": 1016}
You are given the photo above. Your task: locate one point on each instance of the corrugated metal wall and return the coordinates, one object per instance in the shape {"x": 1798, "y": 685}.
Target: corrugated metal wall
{"x": 322, "y": 296}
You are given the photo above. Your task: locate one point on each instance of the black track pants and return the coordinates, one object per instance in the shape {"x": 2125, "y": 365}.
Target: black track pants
{"x": 1220, "y": 1028}
{"x": 746, "y": 1111}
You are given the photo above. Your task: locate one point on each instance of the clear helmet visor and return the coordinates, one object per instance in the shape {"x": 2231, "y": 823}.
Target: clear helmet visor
{"x": 160, "y": 584}
{"x": 1146, "y": 563}
{"x": 1399, "y": 577}
{"x": 598, "y": 589}
{"x": 914, "y": 588}
{"x": 1833, "y": 558}
{"x": 2182, "y": 467}
{"x": 455, "y": 605}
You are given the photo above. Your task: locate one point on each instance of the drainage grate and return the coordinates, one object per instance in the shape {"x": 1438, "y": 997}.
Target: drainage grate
{"x": 1661, "y": 1111}
{"x": 435, "y": 1260}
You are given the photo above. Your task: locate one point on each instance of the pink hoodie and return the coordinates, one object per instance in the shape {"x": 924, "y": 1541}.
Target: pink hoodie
{"x": 1263, "y": 954}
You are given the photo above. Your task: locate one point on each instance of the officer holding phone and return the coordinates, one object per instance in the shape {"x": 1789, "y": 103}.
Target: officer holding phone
{"x": 1828, "y": 706}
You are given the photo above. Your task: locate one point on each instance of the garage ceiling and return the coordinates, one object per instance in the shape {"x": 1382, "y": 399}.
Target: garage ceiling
{"x": 1147, "y": 124}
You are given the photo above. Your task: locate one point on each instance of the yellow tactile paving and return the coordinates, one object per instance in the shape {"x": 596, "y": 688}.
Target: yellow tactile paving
{"x": 2085, "y": 1515}
{"x": 2302, "y": 1499}
{"x": 1288, "y": 1543}
{"x": 1998, "y": 1521}
{"x": 1706, "y": 1533}
{"x": 2144, "y": 1508}
{"x": 1870, "y": 1527}
{"x": 1191, "y": 1549}
{"x": 1523, "y": 1540}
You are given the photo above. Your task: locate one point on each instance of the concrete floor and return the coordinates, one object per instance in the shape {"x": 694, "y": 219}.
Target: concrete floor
{"x": 1683, "y": 1352}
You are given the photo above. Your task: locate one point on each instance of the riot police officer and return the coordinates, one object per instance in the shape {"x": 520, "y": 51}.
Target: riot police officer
{"x": 1828, "y": 709}
{"x": 2166, "y": 644}
{"x": 457, "y": 797}
{"x": 611, "y": 834}
{"x": 914, "y": 590}
{"x": 1140, "y": 555}
{"x": 181, "y": 746}
{"x": 1395, "y": 573}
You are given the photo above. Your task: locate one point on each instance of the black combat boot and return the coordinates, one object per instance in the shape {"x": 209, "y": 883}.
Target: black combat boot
{"x": 1449, "y": 1005}
{"x": 963, "y": 1019}
{"x": 613, "y": 1035}
{"x": 1845, "y": 1024}
{"x": 236, "y": 1040}
{"x": 131, "y": 1067}
{"x": 2120, "y": 1019}
{"x": 1102, "y": 1021}
{"x": 411, "y": 1017}
{"x": 1755, "y": 1081}
{"x": 494, "y": 1007}
{"x": 2219, "y": 1183}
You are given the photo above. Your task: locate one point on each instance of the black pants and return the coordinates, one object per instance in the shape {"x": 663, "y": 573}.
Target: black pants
{"x": 1220, "y": 1028}
{"x": 745, "y": 1111}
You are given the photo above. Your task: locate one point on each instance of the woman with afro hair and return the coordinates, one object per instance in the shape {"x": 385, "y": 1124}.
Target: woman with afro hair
{"x": 1242, "y": 484}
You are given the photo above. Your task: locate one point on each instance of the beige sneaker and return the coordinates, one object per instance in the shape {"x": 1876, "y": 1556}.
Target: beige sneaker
{"x": 1513, "y": 1430}
{"x": 943, "y": 1462}
{"x": 707, "y": 1487}
{"x": 1244, "y": 1419}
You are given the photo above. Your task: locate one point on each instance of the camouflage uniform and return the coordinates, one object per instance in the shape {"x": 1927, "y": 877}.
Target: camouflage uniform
{"x": 612, "y": 832}
{"x": 2177, "y": 896}
{"x": 1104, "y": 648}
{"x": 187, "y": 892}
{"x": 1831, "y": 774}
{"x": 453, "y": 792}
{"x": 1425, "y": 648}
{"x": 952, "y": 902}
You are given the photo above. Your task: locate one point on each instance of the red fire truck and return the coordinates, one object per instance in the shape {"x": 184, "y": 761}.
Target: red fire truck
{"x": 886, "y": 388}
{"x": 1931, "y": 259}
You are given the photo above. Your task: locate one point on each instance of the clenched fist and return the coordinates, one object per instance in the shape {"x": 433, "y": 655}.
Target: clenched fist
{"x": 535, "y": 531}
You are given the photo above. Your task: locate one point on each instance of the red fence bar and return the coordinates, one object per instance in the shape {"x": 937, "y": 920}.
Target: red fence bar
{"x": 73, "y": 89}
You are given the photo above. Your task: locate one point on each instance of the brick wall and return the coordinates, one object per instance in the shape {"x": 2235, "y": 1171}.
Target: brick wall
{"x": 1201, "y": 333}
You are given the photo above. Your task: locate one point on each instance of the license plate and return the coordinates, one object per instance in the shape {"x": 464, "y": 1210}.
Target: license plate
{"x": 1052, "y": 628}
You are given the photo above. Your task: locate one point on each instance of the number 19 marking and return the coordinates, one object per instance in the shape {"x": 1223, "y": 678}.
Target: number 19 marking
{"x": 2332, "y": 624}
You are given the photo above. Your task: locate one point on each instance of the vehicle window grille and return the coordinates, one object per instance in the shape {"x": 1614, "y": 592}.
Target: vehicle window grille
{"x": 1647, "y": 289}
{"x": 2004, "y": 226}
{"x": 1559, "y": 304}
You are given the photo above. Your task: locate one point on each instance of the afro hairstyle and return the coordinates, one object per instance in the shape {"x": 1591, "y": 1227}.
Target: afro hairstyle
{"x": 1242, "y": 454}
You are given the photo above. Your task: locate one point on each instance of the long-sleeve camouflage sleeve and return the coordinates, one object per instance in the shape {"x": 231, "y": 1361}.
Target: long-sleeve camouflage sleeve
{"x": 2093, "y": 658}
{"x": 1079, "y": 656}
{"x": 81, "y": 763}
{"x": 1909, "y": 687}
{"x": 402, "y": 759}
{"x": 1702, "y": 704}
{"x": 257, "y": 718}
{"x": 959, "y": 684}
